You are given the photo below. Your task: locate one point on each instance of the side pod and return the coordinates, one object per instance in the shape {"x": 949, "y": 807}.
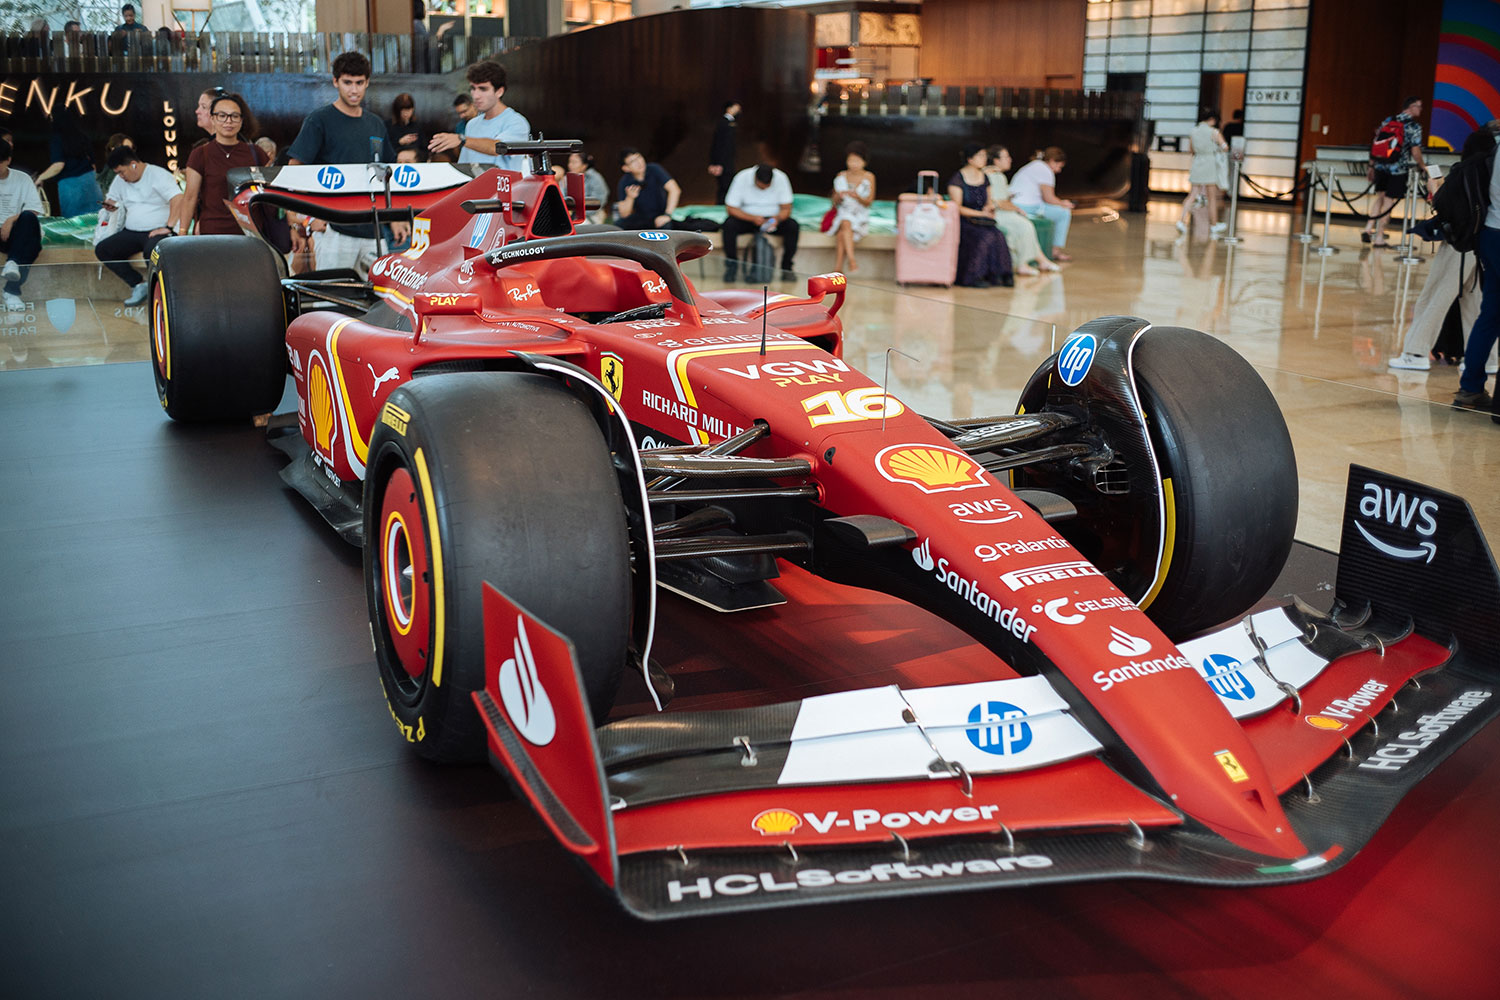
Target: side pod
{"x": 540, "y": 730}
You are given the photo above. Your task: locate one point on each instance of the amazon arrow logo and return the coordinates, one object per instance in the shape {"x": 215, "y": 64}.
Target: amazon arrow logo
{"x": 1398, "y": 510}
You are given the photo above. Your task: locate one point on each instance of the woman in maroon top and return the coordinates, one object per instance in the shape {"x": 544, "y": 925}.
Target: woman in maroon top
{"x": 209, "y": 164}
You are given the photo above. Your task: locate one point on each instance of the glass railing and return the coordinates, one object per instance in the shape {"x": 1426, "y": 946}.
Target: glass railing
{"x": 241, "y": 52}
{"x": 921, "y": 98}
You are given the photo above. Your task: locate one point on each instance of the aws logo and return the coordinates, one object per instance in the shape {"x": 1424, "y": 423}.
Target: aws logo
{"x": 1396, "y": 509}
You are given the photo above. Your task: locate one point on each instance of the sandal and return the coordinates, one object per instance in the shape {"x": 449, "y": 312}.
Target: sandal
{"x": 1061, "y": 256}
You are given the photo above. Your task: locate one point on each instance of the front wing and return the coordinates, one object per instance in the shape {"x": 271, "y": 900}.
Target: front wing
{"x": 883, "y": 791}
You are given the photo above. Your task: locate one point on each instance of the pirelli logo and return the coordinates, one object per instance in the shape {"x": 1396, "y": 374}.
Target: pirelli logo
{"x": 395, "y": 418}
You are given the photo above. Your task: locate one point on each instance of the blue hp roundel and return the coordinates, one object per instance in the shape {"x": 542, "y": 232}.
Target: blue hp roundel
{"x": 406, "y": 176}
{"x": 1076, "y": 357}
{"x": 998, "y": 728}
{"x": 654, "y": 235}
{"x": 331, "y": 177}
{"x": 1226, "y": 676}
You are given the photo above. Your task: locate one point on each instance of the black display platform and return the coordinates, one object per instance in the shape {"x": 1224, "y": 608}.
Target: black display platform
{"x": 203, "y": 794}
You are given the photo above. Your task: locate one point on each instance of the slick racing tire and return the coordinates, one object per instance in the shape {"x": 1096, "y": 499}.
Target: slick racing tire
{"x": 493, "y": 477}
{"x": 217, "y": 327}
{"x": 1223, "y": 447}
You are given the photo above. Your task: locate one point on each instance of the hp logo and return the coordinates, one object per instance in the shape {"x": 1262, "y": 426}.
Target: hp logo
{"x": 406, "y": 176}
{"x": 998, "y": 728}
{"x": 654, "y": 235}
{"x": 331, "y": 178}
{"x": 1226, "y": 676}
{"x": 1075, "y": 358}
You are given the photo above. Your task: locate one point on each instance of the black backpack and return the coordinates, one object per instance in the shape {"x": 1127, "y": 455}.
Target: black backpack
{"x": 760, "y": 262}
{"x": 1463, "y": 201}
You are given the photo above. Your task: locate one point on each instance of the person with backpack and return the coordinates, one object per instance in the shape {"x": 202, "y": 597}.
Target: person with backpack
{"x": 1461, "y": 203}
{"x": 1397, "y": 146}
{"x": 1471, "y": 393}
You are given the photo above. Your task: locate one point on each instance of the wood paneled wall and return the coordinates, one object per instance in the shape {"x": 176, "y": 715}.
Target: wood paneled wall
{"x": 1363, "y": 58}
{"x": 1011, "y": 43}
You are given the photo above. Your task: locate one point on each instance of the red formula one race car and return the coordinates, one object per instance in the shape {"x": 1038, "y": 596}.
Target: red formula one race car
{"x": 533, "y": 431}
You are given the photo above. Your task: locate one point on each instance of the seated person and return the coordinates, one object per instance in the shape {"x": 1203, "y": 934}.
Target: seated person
{"x": 152, "y": 204}
{"x": 595, "y": 187}
{"x": 759, "y": 198}
{"x": 647, "y": 195}
{"x": 20, "y": 228}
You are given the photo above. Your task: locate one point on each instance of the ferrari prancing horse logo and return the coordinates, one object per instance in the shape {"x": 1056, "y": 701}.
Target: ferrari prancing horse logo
{"x": 612, "y": 374}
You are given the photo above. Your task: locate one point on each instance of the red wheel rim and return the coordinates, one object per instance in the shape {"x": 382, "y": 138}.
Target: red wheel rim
{"x": 404, "y": 574}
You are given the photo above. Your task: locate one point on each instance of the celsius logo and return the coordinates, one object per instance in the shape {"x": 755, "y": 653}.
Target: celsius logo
{"x": 1125, "y": 644}
{"x": 1054, "y": 609}
{"x": 521, "y": 690}
{"x": 922, "y": 554}
{"x": 406, "y": 176}
{"x": 331, "y": 177}
{"x": 654, "y": 235}
{"x": 1076, "y": 357}
{"x": 1399, "y": 510}
{"x": 1226, "y": 676}
{"x": 997, "y": 728}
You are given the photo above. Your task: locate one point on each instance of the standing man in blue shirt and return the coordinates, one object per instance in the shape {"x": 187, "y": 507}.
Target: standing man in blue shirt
{"x": 493, "y": 122}
{"x": 344, "y": 132}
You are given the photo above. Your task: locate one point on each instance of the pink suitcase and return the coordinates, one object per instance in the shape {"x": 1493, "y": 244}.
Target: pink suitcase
{"x": 927, "y": 240}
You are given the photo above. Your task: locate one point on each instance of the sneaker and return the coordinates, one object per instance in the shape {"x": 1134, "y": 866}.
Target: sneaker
{"x": 11, "y": 271}
{"x": 1472, "y": 400}
{"x": 1490, "y": 367}
{"x": 1181, "y": 226}
{"x": 1218, "y": 227}
{"x": 730, "y": 273}
{"x": 1410, "y": 362}
{"x": 14, "y": 303}
{"x": 138, "y": 294}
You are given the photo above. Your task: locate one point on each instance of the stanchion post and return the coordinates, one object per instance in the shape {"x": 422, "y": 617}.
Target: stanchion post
{"x": 1306, "y": 235}
{"x": 1324, "y": 249}
{"x": 1234, "y": 202}
{"x": 1408, "y": 246}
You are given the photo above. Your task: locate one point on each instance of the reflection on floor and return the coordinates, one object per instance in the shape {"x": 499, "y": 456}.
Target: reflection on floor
{"x": 1319, "y": 328}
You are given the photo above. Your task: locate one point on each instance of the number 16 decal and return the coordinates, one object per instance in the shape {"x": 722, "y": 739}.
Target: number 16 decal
{"x": 868, "y": 403}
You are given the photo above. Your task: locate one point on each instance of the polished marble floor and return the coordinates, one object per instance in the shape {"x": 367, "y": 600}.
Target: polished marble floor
{"x": 1319, "y": 328}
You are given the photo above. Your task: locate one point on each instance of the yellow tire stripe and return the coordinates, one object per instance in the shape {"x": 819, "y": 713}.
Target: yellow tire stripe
{"x": 435, "y": 549}
{"x": 1169, "y": 501}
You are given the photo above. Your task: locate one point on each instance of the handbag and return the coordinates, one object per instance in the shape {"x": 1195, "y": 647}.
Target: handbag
{"x": 827, "y": 223}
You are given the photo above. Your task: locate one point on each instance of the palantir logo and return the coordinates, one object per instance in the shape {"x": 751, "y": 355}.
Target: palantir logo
{"x": 922, "y": 555}
{"x": 331, "y": 178}
{"x": 1226, "y": 676}
{"x": 521, "y": 690}
{"x": 998, "y": 728}
{"x": 1076, "y": 357}
{"x": 1397, "y": 510}
{"x": 406, "y": 176}
{"x": 1125, "y": 644}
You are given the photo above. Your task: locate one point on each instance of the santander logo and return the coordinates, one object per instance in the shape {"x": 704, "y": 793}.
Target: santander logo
{"x": 521, "y": 690}
{"x": 1127, "y": 645}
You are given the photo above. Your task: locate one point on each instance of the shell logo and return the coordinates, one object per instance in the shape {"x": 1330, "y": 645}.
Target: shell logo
{"x": 320, "y": 408}
{"x": 1324, "y": 722}
{"x": 775, "y": 822}
{"x": 930, "y": 469}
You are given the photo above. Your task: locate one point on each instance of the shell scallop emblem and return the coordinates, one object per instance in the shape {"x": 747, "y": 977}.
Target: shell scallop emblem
{"x": 320, "y": 408}
{"x": 1324, "y": 722}
{"x": 775, "y": 822}
{"x": 930, "y": 469}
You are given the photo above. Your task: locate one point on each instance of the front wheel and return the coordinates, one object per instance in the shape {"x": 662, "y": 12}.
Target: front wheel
{"x": 502, "y": 478}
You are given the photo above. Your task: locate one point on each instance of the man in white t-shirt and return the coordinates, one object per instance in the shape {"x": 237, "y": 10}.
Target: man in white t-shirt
{"x": 20, "y": 227}
{"x": 152, "y": 203}
{"x": 759, "y": 198}
{"x": 1033, "y": 190}
{"x": 493, "y": 122}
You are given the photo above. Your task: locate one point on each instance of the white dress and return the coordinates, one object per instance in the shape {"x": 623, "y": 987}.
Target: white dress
{"x": 851, "y": 210}
{"x": 1205, "y": 168}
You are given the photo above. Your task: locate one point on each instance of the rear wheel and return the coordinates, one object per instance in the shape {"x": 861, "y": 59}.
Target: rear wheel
{"x": 488, "y": 477}
{"x": 217, "y": 327}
